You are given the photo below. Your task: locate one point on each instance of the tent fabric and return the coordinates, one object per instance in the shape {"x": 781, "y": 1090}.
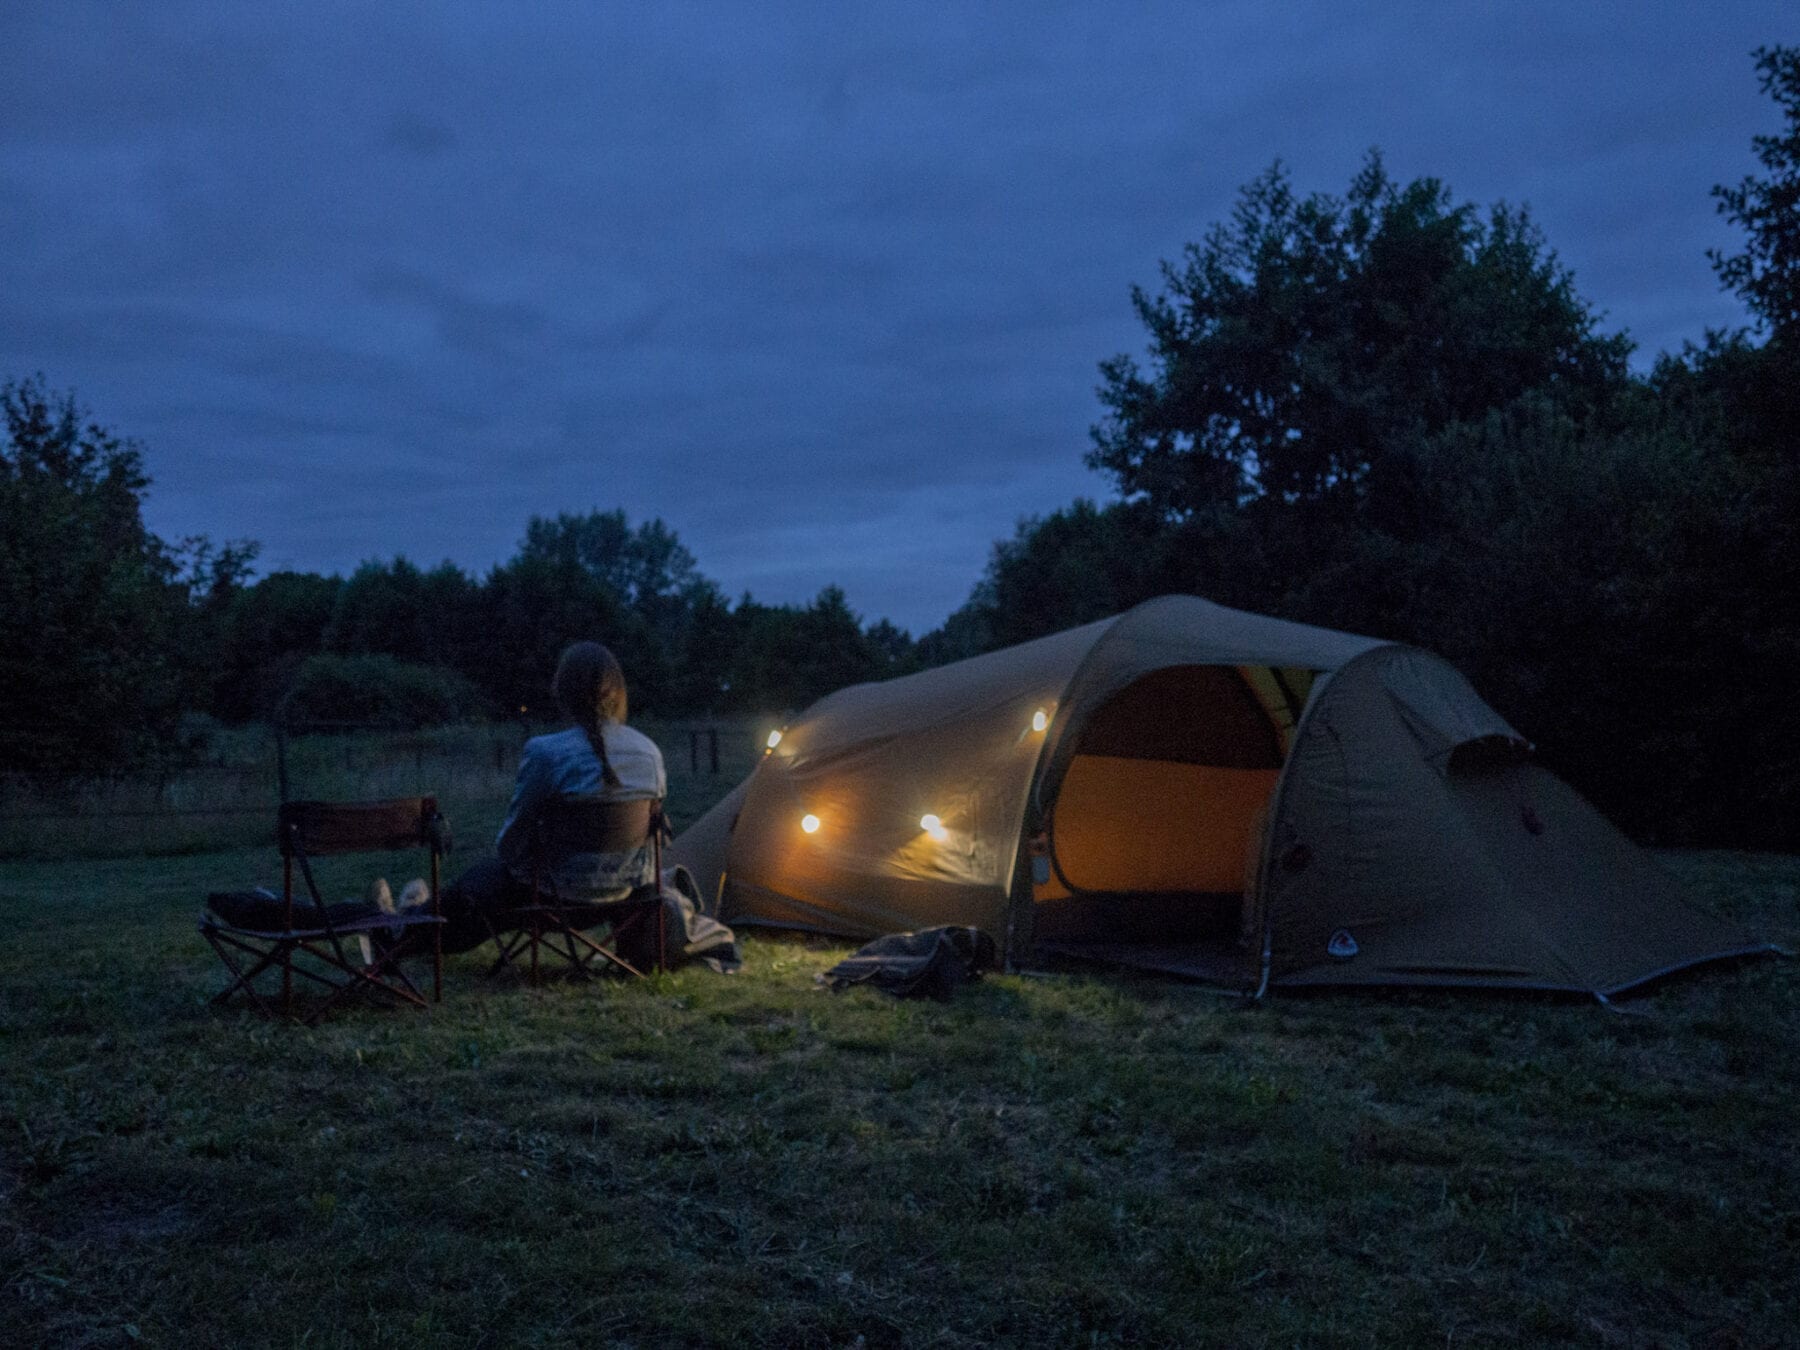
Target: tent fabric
{"x": 1484, "y": 870}
{"x": 1368, "y": 817}
{"x": 869, "y": 763}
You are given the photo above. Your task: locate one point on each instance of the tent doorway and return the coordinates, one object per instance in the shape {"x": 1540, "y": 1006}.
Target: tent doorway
{"x": 1156, "y": 822}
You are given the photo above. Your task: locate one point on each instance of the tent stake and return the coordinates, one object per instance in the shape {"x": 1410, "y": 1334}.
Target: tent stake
{"x": 1616, "y": 1010}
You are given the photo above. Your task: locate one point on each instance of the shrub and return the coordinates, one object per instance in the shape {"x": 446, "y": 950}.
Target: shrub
{"x": 379, "y": 689}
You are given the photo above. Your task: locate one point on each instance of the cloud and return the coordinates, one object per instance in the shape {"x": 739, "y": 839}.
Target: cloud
{"x": 823, "y": 287}
{"x": 463, "y": 321}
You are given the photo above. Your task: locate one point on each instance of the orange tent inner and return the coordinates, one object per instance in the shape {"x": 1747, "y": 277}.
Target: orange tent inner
{"x": 1163, "y": 799}
{"x": 1152, "y": 825}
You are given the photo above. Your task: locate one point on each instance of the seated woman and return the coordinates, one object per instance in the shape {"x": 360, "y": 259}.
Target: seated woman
{"x": 598, "y": 758}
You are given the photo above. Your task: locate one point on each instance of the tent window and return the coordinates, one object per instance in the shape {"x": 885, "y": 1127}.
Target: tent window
{"x": 1487, "y": 753}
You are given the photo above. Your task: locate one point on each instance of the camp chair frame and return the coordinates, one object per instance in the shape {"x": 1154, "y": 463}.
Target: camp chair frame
{"x": 550, "y": 922}
{"x": 330, "y": 953}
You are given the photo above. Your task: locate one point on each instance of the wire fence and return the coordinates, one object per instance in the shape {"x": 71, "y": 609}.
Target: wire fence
{"x": 229, "y": 795}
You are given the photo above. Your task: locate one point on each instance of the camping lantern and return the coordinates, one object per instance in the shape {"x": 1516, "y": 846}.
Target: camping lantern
{"x": 810, "y": 823}
{"x": 933, "y": 827}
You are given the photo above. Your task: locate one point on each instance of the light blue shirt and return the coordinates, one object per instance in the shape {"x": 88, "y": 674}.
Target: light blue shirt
{"x": 563, "y": 764}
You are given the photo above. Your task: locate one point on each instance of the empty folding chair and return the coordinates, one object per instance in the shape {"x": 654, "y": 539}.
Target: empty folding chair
{"x": 345, "y": 948}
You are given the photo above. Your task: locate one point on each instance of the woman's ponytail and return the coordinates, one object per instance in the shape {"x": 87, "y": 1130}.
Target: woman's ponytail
{"x": 590, "y": 689}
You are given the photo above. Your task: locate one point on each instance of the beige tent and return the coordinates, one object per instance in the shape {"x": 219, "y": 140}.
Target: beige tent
{"x": 1196, "y": 789}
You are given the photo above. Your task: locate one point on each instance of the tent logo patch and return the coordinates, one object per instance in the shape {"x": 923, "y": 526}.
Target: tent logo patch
{"x": 1342, "y": 945}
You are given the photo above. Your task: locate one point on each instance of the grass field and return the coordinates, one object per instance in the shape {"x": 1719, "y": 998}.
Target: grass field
{"x": 747, "y": 1161}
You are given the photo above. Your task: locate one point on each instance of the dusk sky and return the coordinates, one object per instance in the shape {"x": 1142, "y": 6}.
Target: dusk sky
{"x": 823, "y": 286}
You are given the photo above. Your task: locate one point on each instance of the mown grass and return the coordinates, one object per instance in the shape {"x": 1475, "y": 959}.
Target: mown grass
{"x": 748, "y": 1161}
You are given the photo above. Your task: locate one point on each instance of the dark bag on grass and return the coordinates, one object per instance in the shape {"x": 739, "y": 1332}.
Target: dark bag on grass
{"x": 934, "y": 962}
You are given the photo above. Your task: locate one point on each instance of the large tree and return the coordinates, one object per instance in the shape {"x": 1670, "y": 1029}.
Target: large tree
{"x": 1751, "y": 390}
{"x": 667, "y": 606}
{"x": 1296, "y": 344}
{"x": 531, "y": 608}
{"x": 93, "y": 604}
{"x": 400, "y": 610}
{"x": 1076, "y": 565}
{"x": 1766, "y": 274}
{"x": 785, "y": 656}
{"x": 642, "y": 566}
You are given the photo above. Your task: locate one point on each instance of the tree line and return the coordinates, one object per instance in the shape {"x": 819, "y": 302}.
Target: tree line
{"x": 122, "y": 639}
{"x": 1387, "y": 411}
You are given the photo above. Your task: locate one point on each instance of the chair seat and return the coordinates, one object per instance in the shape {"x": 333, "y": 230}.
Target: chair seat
{"x": 341, "y": 949}
{"x": 367, "y": 924}
{"x": 594, "y": 911}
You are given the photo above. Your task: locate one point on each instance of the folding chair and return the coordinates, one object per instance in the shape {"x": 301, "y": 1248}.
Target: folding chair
{"x": 562, "y": 926}
{"x": 345, "y": 949}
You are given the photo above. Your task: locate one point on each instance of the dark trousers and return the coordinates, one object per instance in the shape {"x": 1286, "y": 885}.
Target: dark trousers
{"x": 485, "y": 889}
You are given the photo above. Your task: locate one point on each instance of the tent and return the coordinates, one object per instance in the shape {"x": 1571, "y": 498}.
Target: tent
{"x": 1200, "y": 790}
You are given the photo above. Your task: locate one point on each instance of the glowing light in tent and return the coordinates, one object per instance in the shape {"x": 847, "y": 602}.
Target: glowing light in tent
{"x": 810, "y": 823}
{"x": 934, "y": 827}
{"x": 1039, "y": 720}
{"x": 774, "y": 739}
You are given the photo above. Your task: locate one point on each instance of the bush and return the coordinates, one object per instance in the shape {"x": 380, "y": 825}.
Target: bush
{"x": 379, "y": 689}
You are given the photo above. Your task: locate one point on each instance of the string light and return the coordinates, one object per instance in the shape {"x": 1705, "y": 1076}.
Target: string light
{"x": 1039, "y": 720}
{"x": 774, "y": 739}
{"x": 809, "y": 823}
{"x": 934, "y": 827}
